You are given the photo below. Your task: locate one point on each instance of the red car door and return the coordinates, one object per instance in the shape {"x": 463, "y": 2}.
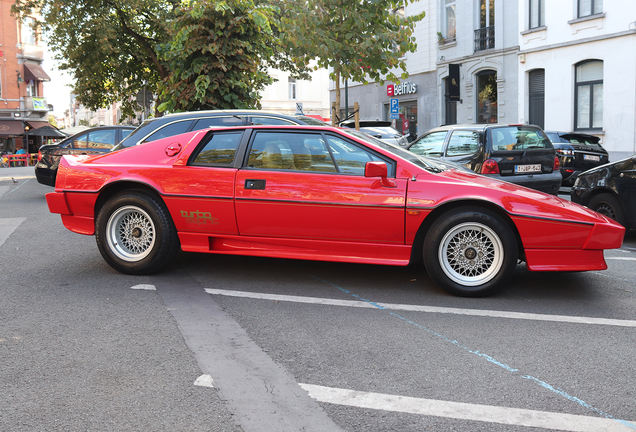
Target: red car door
{"x": 312, "y": 186}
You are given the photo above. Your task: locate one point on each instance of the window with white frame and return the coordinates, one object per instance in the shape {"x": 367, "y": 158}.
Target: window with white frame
{"x": 590, "y": 7}
{"x": 450, "y": 22}
{"x": 537, "y": 13}
{"x": 28, "y": 31}
{"x": 589, "y": 95}
{"x": 292, "y": 88}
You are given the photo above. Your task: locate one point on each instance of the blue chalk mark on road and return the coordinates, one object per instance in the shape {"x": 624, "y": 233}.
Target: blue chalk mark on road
{"x": 486, "y": 357}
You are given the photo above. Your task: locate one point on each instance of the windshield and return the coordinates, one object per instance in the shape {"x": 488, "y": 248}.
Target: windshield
{"x": 380, "y": 131}
{"x": 518, "y": 138}
{"x": 311, "y": 121}
{"x": 429, "y": 164}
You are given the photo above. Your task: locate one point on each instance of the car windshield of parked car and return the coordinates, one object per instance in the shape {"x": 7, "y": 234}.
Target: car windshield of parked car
{"x": 130, "y": 139}
{"x": 380, "y": 131}
{"x": 518, "y": 138}
{"x": 429, "y": 164}
{"x": 430, "y": 144}
{"x": 311, "y": 121}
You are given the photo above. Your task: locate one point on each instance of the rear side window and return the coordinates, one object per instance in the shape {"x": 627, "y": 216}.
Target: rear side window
{"x": 219, "y": 150}
{"x": 217, "y": 122}
{"x": 463, "y": 143}
{"x": 271, "y": 121}
{"x": 102, "y": 139}
{"x": 350, "y": 158}
{"x": 518, "y": 138}
{"x": 80, "y": 141}
{"x": 170, "y": 130}
{"x": 429, "y": 145}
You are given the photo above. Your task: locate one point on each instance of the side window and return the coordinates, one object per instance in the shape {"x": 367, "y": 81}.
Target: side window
{"x": 290, "y": 151}
{"x": 217, "y": 122}
{"x": 270, "y": 121}
{"x": 429, "y": 145}
{"x": 80, "y": 141}
{"x": 170, "y": 130}
{"x": 219, "y": 150}
{"x": 125, "y": 133}
{"x": 463, "y": 143}
{"x": 101, "y": 139}
{"x": 350, "y": 158}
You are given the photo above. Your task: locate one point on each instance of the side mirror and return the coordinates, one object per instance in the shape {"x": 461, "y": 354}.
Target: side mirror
{"x": 379, "y": 169}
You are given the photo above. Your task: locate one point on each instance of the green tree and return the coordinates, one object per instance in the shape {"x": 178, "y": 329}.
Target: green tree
{"x": 108, "y": 46}
{"x": 219, "y": 54}
{"x": 363, "y": 40}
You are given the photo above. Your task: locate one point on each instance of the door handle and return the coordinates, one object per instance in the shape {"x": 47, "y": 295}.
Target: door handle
{"x": 255, "y": 184}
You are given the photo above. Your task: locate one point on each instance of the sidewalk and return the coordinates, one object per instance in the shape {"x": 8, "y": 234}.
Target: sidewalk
{"x": 17, "y": 173}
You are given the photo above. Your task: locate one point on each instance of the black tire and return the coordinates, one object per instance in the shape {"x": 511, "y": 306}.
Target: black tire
{"x": 608, "y": 205}
{"x": 470, "y": 252}
{"x": 135, "y": 233}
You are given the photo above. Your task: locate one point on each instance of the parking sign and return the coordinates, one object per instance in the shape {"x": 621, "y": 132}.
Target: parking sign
{"x": 395, "y": 108}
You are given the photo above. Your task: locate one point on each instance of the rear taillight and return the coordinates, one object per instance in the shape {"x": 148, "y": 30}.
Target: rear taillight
{"x": 557, "y": 164}
{"x": 39, "y": 156}
{"x": 490, "y": 167}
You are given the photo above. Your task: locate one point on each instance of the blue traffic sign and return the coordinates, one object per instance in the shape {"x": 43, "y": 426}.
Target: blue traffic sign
{"x": 395, "y": 106}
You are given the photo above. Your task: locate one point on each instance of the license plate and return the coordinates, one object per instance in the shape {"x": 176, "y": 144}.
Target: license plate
{"x": 592, "y": 158}
{"x": 522, "y": 169}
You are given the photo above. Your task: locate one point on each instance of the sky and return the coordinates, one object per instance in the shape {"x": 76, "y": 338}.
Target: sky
{"x": 56, "y": 91}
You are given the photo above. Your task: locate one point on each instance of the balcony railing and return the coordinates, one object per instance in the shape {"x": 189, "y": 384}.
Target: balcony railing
{"x": 33, "y": 51}
{"x": 484, "y": 38}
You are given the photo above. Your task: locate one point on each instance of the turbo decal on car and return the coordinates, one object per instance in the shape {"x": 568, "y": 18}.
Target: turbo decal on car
{"x": 199, "y": 218}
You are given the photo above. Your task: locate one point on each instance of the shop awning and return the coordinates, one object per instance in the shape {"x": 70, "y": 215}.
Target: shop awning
{"x": 38, "y": 124}
{"x": 35, "y": 72}
{"x": 11, "y": 127}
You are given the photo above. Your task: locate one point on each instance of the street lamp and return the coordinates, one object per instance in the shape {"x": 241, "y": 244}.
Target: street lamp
{"x": 27, "y": 128}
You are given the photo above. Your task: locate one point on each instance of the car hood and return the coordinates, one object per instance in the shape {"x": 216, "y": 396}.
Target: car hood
{"x": 514, "y": 199}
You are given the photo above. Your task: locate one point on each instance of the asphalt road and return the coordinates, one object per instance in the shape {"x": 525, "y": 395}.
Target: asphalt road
{"x": 220, "y": 343}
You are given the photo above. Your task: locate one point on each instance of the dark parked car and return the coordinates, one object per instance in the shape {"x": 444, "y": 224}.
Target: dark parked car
{"x": 520, "y": 154}
{"x": 577, "y": 152}
{"x": 91, "y": 141}
{"x": 178, "y": 123}
{"x": 610, "y": 190}
{"x": 383, "y": 130}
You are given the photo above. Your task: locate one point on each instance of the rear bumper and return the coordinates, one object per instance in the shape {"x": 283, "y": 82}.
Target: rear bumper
{"x": 45, "y": 176}
{"x": 58, "y": 202}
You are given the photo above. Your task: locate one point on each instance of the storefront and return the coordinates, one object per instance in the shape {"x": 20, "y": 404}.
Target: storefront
{"x": 417, "y": 99}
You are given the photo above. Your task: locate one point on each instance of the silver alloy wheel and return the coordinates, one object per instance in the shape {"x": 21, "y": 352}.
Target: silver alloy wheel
{"x": 471, "y": 254}
{"x": 130, "y": 233}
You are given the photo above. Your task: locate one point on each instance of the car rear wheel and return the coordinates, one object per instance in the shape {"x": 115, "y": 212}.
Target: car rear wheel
{"x": 608, "y": 205}
{"x": 470, "y": 252}
{"x": 135, "y": 233}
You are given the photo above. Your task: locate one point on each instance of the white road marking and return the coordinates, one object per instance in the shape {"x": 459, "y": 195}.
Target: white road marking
{"x": 7, "y": 226}
{"x": 204, "y": 380}
{"x": 620, "y": 258}
{"x": 465, "y": 411}
{"x": 430, "y": 309}
{"x": 146, "y": 287}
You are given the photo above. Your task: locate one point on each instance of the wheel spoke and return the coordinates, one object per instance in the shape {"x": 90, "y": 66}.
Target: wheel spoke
{"x": 131, "y": 233}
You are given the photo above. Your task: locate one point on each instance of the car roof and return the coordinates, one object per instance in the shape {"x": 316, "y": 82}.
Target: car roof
{"x": 228, "y": 111}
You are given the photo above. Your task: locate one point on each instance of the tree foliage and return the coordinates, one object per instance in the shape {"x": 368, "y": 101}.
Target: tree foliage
{"x": 363, "y": 40}
{"x": 109, "y": 47}
{"x": 218, "y": 56}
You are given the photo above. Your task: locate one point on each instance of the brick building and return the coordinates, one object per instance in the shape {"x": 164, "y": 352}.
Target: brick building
{"x": 23, "y": 107}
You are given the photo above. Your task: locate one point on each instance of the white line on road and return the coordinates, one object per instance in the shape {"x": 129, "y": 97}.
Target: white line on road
{"x": 431, "y": 309}
{"x": 465, "y": 411}
{"x": 7, "y": 226}
{"x": 147, "y": 287}
{"x": 620, "y": 258}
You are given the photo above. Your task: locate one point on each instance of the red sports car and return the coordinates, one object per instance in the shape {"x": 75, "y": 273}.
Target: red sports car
{"x": 321, "y": 193}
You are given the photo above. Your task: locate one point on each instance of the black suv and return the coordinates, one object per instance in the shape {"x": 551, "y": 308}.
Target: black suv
{"x": 178, "y": 123}
{"x": 91, "y": 141}
{"x": 577, "y": 152}
{"x": 520, "y": 154}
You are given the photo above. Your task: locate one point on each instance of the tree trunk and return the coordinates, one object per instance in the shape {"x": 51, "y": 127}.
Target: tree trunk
{"x": 337, "y": 113}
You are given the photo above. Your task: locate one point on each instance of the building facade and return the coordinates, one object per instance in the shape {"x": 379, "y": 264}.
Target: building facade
{"x": 23, "y": 107}
{"x": 577, "y": 66}
{"x": 417, "y": 95}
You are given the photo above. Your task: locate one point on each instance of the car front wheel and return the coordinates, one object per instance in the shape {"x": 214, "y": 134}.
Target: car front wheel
{"x": 135, "y": 233}
{"x": 470, "y": 252}
{"x": 608, "y": 205}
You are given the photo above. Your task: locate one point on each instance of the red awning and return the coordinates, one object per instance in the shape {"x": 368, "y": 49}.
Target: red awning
{"x": 35, "y": 72}
{"x": 38, "y": 124}
{"x": 11, "y": 127}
